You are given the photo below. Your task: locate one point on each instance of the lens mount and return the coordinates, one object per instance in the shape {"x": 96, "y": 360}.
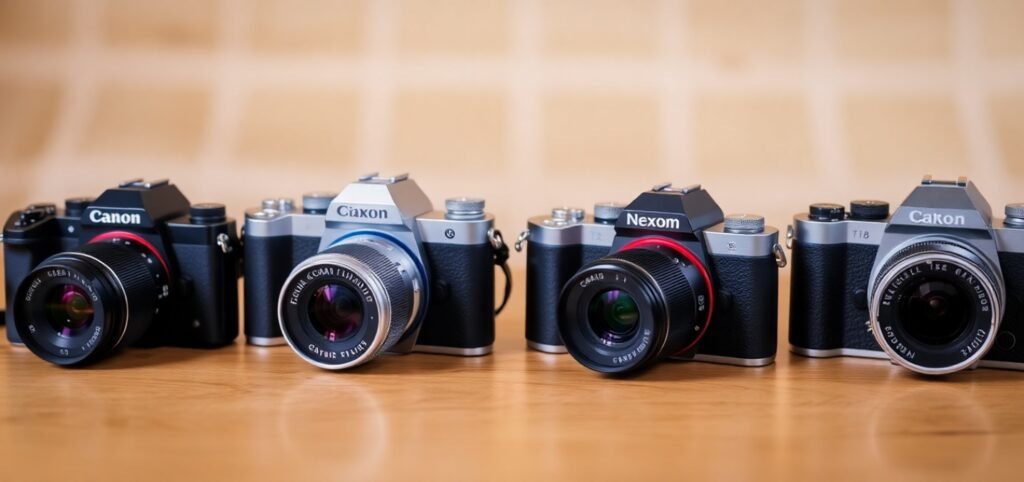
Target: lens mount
{"x": 936, "y": 306}
{"x": 646, "y": 302}
{"x": 115, "y": 286}
{"x": 382, "y": 288}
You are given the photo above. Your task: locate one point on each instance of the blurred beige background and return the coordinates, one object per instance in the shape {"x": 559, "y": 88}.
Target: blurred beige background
{"x": 531, "y": 103}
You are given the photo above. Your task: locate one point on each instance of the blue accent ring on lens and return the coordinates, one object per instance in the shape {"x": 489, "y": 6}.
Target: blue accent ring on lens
{"x": 412, "y": 255}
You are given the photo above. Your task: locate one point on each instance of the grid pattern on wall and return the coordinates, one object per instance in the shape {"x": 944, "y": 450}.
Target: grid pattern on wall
{"x": 530, "y": 103}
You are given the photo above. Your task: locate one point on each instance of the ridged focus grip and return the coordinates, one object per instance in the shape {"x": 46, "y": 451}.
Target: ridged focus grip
{"x": 135, "y": 276}
{"x": 936, "y": 246}
{"x": 677, "y": 290}
{"x": 664, "y": 271}
{"x": 400, "y": 295}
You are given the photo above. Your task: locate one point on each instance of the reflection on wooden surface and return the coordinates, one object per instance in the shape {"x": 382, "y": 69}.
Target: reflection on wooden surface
{"x": 250, "y": 413}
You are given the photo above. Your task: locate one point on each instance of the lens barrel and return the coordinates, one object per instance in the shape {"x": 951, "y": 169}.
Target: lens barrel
{"x": 352, "y": 302}
{"x": 936, "y": 306}
{"x": 629, "y": 309}
{"x": 79, "y": 306}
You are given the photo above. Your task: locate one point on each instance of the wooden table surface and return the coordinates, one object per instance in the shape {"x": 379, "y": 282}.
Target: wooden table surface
{"x": 245, "y": 413}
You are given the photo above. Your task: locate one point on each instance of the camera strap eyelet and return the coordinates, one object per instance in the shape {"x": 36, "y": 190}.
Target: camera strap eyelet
{"x": 521, "y": 240}
{"x": 501, "y": 254}
{"x": 780, "y": 256}
{"x": 224, "y": 242}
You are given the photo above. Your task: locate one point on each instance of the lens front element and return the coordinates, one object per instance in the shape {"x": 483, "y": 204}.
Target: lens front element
{"x": 935, "y": 312}
{"x": 614, "y": 315}
{"x": 69, "y": 310}
{"x": 336, "y": 312}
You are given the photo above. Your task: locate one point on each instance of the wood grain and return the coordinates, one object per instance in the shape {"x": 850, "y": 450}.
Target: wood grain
{"x": 245, "y": 413}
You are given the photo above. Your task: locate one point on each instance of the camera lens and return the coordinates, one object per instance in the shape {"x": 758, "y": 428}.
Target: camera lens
{"x": 646, "y": 302}
{"x": 68, "y": 310}
{"x": 936, "y": 306}
{"x": 335, "y": 312}
{"x": 79, "y": 306}
{"x": 352, "y": 302}
{"x": 613, "y": 315}
{"x": 935, "y": 312}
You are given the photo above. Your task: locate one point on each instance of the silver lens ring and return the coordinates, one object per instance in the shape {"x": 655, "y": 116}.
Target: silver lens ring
{"x": 386, "y": 277}
{"x": 982, "y": 273}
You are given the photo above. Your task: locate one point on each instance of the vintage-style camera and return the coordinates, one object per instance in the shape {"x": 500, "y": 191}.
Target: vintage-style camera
{"x": 138, "y": 265}
{"x": 374, "y": 269}
{"x": 935, "y": 287}
{"x": 666, "y": 276}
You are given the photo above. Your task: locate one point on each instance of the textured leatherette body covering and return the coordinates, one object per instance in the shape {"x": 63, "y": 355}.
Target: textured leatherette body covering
{"x": 461, "y": 309}
{"x": 268, "y": 262}
{"x": 744, "y": 323}
{"x": 1009, "y": 345}
{"x": 548, "y": 268}
{"x": 828, "y": 300}
{"x": 208, "y": 315}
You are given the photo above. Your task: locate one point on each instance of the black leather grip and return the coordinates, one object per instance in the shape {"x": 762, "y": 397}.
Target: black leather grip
{"x": 268, "y": 262}
{"x": 828, "y": 299}
{"x": 1009, "y": 346}
{"x": 744, "y": 323}
{"x": 548, "y": 268}
{"x": 208, "y": 314}
{"x": 19, "y": 261}
{"x": 461, "y": 310}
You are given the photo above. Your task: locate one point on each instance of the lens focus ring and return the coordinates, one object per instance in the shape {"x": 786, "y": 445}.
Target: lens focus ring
{"x": 394, "y": 284}
{"x": 665, "y": 272}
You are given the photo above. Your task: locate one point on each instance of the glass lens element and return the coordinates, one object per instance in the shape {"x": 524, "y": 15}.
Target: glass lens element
{"x": 936, "y": 313}
{"x": 336, "y": 312}
{"x": 68, "y": 310}
{"x": 613, "y": 315}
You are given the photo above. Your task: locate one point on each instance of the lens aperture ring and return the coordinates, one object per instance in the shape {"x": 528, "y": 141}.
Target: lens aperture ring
{"x": 943, "y": 246}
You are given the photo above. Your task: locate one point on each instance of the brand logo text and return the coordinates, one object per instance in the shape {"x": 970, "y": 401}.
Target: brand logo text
{"x": 102, "y": 217}
{"x": 922, "y": 217}
{"x": 633, "y": 219}
{"x": 364, "y": 213}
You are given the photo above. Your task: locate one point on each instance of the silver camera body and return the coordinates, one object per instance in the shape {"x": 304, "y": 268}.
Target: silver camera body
{"x": 419, "y": 279}
{"x": 935, "y": 287}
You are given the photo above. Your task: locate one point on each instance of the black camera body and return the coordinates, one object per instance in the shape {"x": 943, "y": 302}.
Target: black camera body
{"x": 138, "y": 265}
{"x": 670, "y": 257}
{"x": 371, "y": 270}
{"x": 934, "y": 287}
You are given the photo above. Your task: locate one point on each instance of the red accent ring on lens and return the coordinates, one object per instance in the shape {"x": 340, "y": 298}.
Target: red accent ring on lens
{"x": 138, "y": 239}
{"x": 654, "y": 241}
